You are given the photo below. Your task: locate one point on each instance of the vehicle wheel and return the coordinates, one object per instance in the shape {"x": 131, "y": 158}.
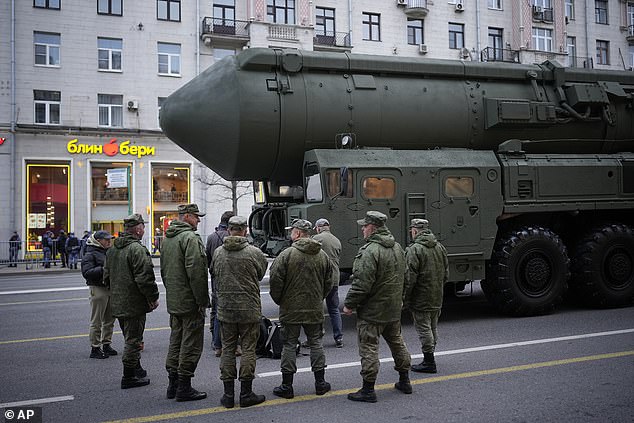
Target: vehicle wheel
{"x": 603, "y": 267}
{"x": 528, "y": 272}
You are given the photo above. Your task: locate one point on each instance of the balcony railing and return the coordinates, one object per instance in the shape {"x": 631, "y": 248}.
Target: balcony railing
{"x": 630, "y": 34}
{"x": 225, "y": 27}
{"x": 110, "y": 194}
{"x": 171, "y": 196}
{"x": 492, "y": 54}
{"x": 333, "y": 39}
{"x": 282, "y": 32}
{"x": 580, "y": 62}
{"x": 416, "y": 8}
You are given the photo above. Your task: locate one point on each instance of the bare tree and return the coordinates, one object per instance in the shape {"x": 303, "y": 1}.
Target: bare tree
{"x": 227, "y": 190}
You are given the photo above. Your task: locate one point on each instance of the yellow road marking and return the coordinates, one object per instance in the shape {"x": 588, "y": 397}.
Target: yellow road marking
{"x": 274, "y": 402}
{"x": 46, "y": 301}
{"x": 56, "y": 338}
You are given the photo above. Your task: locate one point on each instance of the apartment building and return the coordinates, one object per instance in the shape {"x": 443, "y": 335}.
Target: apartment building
{"x": 82, "y": 82}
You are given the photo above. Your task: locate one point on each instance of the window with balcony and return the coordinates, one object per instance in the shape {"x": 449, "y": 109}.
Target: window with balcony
{"x": 456, "y": 35}
{"x": 110, "y": 7}
{"x": 325, "y": 26}
{"x": 371, "y": 26}
{"x": 47, "y": 47}
{"x": 569, "y": 8}
{"x": 224, "y": 20}
{"x": 415, "y": 31}
{"x": 496, "y": 44}
{"x": 281, "y": 11}
{"x": 544, "y": 4}
{"x": 169, "y": 59}
{"x": 168, "y": 10}
{"x": 110, "y": 108}
{"x": 47, "y": 106}
{"x": 109, "y": 54}
{"x": 601, "y": 11}
{"x": 542, "y": 39}
{"x": 47, "y": 4}
{"x": 603, "y": 52}
{"x": 495, "y": 4}
{"x": 630, "y": 18}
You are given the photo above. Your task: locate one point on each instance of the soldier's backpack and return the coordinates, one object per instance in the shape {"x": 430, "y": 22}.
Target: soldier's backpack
{"x": 270, "y": 340}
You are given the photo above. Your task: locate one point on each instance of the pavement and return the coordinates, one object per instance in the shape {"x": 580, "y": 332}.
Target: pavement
{"x": 37, "y": 268}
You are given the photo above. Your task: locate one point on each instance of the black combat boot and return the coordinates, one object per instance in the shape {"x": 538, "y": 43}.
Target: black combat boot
{"x": 96, "y": 352}
{"x": 107, "y": 349}
{"x": 403, "y": 383}
{"x": 427, "y": 366}
{"x": 227, "y": 399}
{"x": 172, "y": 376}
{"x": 131, "y": 380}
{"x": 285, "y": 390}
{"x": 185, "y": 392}
{"x": 321, "y": 386}
{"x": 140, "y": 371}
{"x": 365, "y": 394}
{"x": 247, "y": 396}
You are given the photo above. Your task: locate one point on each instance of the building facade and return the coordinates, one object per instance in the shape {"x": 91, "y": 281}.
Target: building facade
{"x": 82, "y": 83}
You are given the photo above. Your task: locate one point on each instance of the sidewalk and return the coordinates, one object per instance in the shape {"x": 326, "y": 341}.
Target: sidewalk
{"x": 38, "y": 269}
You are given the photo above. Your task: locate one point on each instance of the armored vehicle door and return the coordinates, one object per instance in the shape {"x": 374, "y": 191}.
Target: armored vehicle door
{"x": 380, "y": 190}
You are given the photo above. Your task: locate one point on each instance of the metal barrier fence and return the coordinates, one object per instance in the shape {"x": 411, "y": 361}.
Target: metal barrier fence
{"x": 33, "y": 256}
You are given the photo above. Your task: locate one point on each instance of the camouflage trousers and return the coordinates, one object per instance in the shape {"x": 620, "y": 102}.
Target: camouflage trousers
{"x": 186, "y": 343}
{"x": 369, "y": 335}
{"x": 132, "y": 328}
{"x": 426, "y": 323}
{"x": 248, "y": 334}
{"x": 290, "y": 338}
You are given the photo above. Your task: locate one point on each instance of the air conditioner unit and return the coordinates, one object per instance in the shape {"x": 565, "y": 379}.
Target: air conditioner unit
{"x": 401, "y": 2}
{"x": 133, "y": 105}
{"x": 537, "y": 10}
{"x": 459, "y": 6}
{"x": 422, "y": 49}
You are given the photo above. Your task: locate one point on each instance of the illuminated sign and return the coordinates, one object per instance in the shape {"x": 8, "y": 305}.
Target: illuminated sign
{"x": 111, "y": 148}
{"x": 2, "y": 140}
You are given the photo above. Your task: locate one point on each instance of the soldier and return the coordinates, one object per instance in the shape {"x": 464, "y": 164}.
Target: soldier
{"x": 376, "y": 294}
{"x": 129, "y": 273}
{"x": 238, "y": 268}
{"x": 300, "y": 279}
{"x": 428, "y": 269}
{"x": 184, "y": 273}
{"x": 331, "y": 246}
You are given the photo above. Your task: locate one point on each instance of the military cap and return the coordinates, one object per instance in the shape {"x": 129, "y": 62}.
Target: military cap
{"x": 133, "y": 220}
{"x": 373, "y": 218}
{"x": 420, "y": 224}
{"x": 301, "y": 224}
{"x": 191, "y": 208}
{"x": 238, "y": 222}
{"x": 322, "y": 222}
{"x": 102, "y": 235}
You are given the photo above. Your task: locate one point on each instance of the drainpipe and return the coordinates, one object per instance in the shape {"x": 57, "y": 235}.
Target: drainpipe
{"x": 198, "y": 24}
{"x": 350, "y": 21}
{"x": 588, "y": 58}
{"x": 12, "y": 211}
{"x": 478, "y": 43}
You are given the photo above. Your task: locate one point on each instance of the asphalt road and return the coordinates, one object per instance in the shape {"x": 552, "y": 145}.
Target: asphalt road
{"x": 576, "y": 365}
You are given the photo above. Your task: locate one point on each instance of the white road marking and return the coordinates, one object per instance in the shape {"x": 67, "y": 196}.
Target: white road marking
{"x": 37, "y": 401}
{"x": 469, "y": 350}
{"x": 39, "y": 291}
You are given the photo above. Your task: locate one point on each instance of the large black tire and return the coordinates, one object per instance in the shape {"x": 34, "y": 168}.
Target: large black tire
{"x": 528, "y": 273}
{"x": 603, "y": 267}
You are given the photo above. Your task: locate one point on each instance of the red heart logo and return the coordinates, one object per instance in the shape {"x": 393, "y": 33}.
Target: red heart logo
{"x": 2, "y": 140}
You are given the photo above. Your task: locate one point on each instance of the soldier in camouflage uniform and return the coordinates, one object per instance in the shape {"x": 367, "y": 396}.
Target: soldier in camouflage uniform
{"x": 428, "y": 269}
{"x": 300, "y": 279}
{"x": 184, "y": 273}
{"x": 238, "y": 268}
{"x": 129, "y": 273}
{"x": 376, "y": 294}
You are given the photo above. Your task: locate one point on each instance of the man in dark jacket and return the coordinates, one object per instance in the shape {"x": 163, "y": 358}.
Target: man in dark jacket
{"x": 61, "y": 247}
{"x": 101, "y": 319}
{"x": 129, "y": 273}
{"x": 15, "y": 245}
{"x": 184, "y": 274}
{"x": 72, "y": 250}
{"x": 47, "y": 248}
{"x": 428, "y": 269}
{"x": 238, "y": 268}
{"x": 300, "y": 279}
{"x": 378, "y": 274}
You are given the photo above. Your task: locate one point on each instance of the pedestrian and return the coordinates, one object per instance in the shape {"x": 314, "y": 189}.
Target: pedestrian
{"x": 15, "y": 245}
{"x": 72, "y": 250}
{"x": 47, "y": 247}
{"x": 238, "y": 268}
{"x": 214, "y": 241}
{"x": 331, "y": 245}
{"x": 428, "y": 271}
{"x": 300, "y": 280}
{"x": 378, "y": 274}
{"x": 82, "y": 244}
{"x": 129, "y": 273}
{"x": 61, "y": 247}
{"x": 184, "y": 274}
{"x": 101, "y": 318}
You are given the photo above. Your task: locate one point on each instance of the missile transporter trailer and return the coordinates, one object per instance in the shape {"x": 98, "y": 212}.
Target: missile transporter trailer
{"x": 525, "y": 172}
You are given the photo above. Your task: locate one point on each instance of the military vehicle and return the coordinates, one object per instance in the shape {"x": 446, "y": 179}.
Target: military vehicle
{"x": 526, "y": 172}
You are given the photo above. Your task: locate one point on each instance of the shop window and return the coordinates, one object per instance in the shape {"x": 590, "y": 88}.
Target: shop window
{"x": 460, "y": 187}
{"x": 110, "y": 182}
{"x": 377, "y": 188}
{"x": 47, "y": 200}
{"x": 170, "y": 184}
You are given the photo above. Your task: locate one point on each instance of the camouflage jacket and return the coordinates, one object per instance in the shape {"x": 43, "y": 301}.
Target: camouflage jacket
{"x": 331, "y": 245}
{"x": 129, "y": 273}
{"x": 378, "y": 275}
{"x": 184, "y": 269}
{"x": 428, "y": 269}
{"x": 300, "y": 279}
{"x": 237, "y": 269}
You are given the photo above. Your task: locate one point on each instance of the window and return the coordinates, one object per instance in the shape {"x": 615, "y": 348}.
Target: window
{"x": 601, "y": 11}
{"x": 110, "y": 7}
{"x": 456, "y": 35}
{"x": 110, "y": 181}
{"x": 324, "y": 22}
{"x": 221, "y": 53}
{"x": 544, "y": 4}
{"x": 46, "y": 48}
{"x": 47, "y": 200}
{"x": 281, "y": 11}
{"x": 570, "y": 9}
{"x": 334, "y": 178}
{"x": 496, "y": 43}
{"x": 415, "y": 31}
{"x": 224, "y": 17}
{"x": 47, "y": 106}
{"x": 378, "y": 188}
{"x": 542, "y": 39}
{"x": 47, "y": 4}
{"x": 312, "y": 182}
{"x": 109, "y": 53}
{"x": 110, "y": 110}
{"x": 169, "y": 59}
{"x": 371, "y": 26}
{"x": 160, "y": 102}
{"x": 630, "y": 16}
{"x": 168, "y": 10}
{"x": 571, "y": 49}
{"x": 460, "y": 187}
{"x": 603, "y": 52}
{"x": 495, "y": 4}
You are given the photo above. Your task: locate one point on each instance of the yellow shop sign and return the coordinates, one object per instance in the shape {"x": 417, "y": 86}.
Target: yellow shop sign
{"x": 111, "y": 148}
